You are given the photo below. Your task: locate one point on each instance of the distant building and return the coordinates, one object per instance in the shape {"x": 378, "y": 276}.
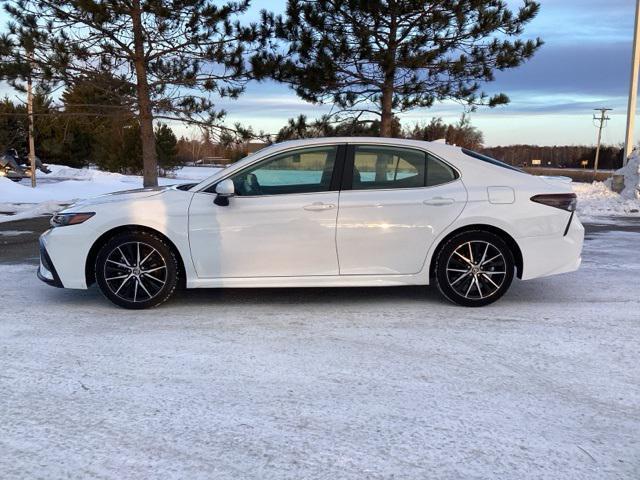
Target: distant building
{"x": 214, "y": 161}
{"x": 220, "y": 154}
{"x": 253, "y": 147}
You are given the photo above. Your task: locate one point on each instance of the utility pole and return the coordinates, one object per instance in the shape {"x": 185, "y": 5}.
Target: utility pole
{"x": 601, "y": 119}
{"x": 32, "y": 141}
{"x": 633, "y": 92}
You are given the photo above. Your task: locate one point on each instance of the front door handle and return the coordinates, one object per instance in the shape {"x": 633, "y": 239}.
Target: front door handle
{"x": 439, "y": 201}
{"x": 319, "y": 206}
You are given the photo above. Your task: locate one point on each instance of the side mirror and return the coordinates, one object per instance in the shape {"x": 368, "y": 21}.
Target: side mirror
{"x": 224, "y": 190}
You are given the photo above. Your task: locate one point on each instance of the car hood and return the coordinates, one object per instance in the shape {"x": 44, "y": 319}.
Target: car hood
{"x": 122, "y": 196}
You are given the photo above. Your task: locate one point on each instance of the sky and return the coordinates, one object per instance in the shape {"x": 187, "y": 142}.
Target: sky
{"x": 584, "y": 64}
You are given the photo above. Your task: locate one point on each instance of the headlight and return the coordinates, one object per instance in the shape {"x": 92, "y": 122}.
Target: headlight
{"x": 64, "y": 219}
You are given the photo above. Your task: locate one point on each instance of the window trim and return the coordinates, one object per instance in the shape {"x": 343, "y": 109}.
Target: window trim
{"x": 334, "y": 184}
{"x": 347, "y": 176}
{"x": 490, "y": 160}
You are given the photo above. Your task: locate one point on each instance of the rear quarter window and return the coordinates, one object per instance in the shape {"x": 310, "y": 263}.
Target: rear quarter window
{"x": 438, "y": 172}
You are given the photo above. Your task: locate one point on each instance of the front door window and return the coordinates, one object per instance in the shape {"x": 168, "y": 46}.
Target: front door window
{"x": 306, "y": 170}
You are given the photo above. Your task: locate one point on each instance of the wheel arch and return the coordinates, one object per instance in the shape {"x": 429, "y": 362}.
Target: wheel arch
{"x": 89, "y": 266}
{"x": 506, "y": 237}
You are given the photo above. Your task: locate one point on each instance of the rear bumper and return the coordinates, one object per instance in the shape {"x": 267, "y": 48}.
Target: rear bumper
{"x": 551, "y": 255}
{"x": 46, "y": 271}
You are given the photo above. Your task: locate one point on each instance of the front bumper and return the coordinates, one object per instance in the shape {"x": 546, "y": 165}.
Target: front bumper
{"x": 67, "y": 249}
{"x": 46, "y": 271}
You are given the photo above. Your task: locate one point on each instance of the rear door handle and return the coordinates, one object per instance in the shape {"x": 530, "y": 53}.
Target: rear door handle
{"x": 319, "y": 206}
{"x": 439, "y": 201}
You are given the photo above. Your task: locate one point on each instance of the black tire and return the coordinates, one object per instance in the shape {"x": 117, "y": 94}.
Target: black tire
{"x": 468, "y": 268}
{"x": 136, "y": 270}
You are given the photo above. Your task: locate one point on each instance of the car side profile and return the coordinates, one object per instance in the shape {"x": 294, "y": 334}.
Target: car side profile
{"x": 327, "y": 212}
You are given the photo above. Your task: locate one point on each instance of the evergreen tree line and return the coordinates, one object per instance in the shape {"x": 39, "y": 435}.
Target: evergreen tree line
{"x": 461, "y": 133}
{"x": 558, "y": 156}
{"x": 90, "y": 127}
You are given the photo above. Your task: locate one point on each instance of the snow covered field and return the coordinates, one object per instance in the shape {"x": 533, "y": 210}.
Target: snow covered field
{"x": 65, "y": 184}
{"x": 335, "y": 384}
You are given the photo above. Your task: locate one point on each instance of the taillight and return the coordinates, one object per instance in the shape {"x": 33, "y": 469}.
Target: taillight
{"x": 564, "y": 201}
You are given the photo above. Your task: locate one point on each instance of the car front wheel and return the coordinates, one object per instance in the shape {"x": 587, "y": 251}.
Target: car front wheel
{"x": 136, "y": 270}
{"x": 474, "y": 268}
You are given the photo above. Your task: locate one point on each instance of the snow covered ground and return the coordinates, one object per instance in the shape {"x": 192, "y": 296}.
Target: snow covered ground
{"x": 327, "y": 383}
{"x": 65, "y": 184}
{"x": 597, "y": 200}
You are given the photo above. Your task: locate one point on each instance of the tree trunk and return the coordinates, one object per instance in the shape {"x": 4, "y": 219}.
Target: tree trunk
{"x": 145, "y": 114}
{"x": 388, "y": 86}
{"x": 32, "y": 135}
{"x": 386, "y": 115}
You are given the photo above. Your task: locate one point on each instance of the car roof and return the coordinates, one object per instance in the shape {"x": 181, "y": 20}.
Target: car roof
{"x": 435, "y": 146}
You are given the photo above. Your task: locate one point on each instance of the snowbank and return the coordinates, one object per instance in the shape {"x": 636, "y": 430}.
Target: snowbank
{"x": 596, "y": 200}
{"x": 19, "y": 211}
{"x": 63, "y": 191}
{"x": 65, "y": 185}
{"x": 61, "y": 172}
{"x": 631, "y": 172}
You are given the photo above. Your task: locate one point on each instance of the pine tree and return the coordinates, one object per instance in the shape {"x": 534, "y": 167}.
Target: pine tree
{"x": 327, "y": 126}
{"x": 462, "y": 133}
{"x": 49, "y": 128}
{"x": 383, "y": 57}
{"x": 13, "y": 126}
{"x": 96, "y": 110}
{"x": 174, "y": 54}
{"x": 166, "y": 146}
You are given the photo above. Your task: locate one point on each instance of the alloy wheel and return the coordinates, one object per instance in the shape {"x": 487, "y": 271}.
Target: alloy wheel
{"x": 135, "y": 272}
{"x": 476, "y": 270}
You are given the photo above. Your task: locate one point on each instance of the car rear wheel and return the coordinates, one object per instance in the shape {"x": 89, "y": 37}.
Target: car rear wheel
{"x": 474, "y": 268}
{"x": 136, "y": 270}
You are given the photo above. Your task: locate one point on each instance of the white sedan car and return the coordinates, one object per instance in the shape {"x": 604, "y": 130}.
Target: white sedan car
{"x": 330, "y": 212}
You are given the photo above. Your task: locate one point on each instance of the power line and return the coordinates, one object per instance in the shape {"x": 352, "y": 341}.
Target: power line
{"x": 601, "y": 120}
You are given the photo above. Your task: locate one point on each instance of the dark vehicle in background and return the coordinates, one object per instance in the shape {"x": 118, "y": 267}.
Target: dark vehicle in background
{"x": 16, "y": 168}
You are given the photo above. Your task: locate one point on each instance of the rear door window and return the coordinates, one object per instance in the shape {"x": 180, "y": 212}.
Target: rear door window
{"x": 377, "y": 167}
{"x": 382, "y": 167}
